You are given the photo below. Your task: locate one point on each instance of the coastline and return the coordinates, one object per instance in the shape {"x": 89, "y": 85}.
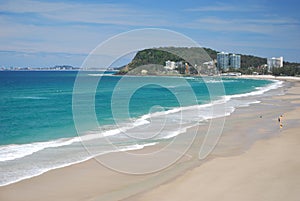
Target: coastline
{"x": 268, "y": 170}
{"x": 31, "y": 157}
{"x": 89, "y": 180}
{"x": 272, "y": 77}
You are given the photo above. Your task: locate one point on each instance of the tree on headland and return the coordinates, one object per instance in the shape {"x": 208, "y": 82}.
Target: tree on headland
{"x": 288, "y": 69}
{"x": 194, "y": 56}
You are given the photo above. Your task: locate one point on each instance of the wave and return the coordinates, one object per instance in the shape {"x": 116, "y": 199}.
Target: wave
{"x": 40, "y": 171}
{"x": 31, "y": 97}
{"x": 18, "y": 151}
{"x": 11, "y": 152}
{"x": 259, "y": 90}
{"x": 219, "y": 81}
{"x": 15, "y": 151}
{"x": 99, "y": 74}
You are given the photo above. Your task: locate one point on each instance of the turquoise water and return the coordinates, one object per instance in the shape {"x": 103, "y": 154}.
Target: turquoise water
{"x": 37, "y": 106}
{"x": 36, "y": 112}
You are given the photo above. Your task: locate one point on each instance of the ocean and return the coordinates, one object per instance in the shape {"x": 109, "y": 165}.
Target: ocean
{"x": 43, "y": 127}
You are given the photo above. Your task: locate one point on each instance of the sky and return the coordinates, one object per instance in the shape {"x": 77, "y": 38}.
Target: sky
{"x": 41, "y": 33}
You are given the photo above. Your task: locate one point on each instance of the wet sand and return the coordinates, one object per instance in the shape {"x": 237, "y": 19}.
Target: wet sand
{"x": 269, "y": 170}
{"x": 254, "y": 160}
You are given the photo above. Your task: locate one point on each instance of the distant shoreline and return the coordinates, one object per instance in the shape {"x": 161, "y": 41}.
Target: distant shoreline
{"x": 179, "y": 75}
{"x": 271, "y": 77}
{"x": 56, "y": 70}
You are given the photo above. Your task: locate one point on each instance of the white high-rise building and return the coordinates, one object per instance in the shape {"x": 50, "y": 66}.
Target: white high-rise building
{"x": 223, "y": 60}
{"x": 235, "y": 61}
{"x": 226, "y": 60}
{"x": 275, "y": 63}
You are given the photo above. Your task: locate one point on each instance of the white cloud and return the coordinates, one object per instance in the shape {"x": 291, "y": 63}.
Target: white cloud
{"x": 23, "y": 6}
{"x": 272, "y": 33}
{"x": 260, "y": 26}
{"x": 117, "y": 14}
{"x": 34, "y": 38}
{"x": 222, "y": 7}
{"x": 66, "y": 27}
{"x": 212, "y": 8}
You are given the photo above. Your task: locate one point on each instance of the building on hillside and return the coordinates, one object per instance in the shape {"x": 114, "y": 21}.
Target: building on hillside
{"x": 274, "y": 63}
{"x": 223, "y": 61}
{"x": 170, "y": 65}
{"x": 235, "y": 61}
{"x": 178, "y": 64}
{"x": 226, "y": 61}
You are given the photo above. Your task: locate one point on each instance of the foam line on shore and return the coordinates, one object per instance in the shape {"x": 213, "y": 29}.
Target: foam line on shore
{"x": 12, "y": 152}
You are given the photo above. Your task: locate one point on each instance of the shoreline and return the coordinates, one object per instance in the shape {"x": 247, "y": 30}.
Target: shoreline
{"x": 226, "y": 177}
{"x": 90, "y": 184}
{"x": 287, "y": 78}
{"x": 247, "y": 176}
{"x": 264, "y": 89}
{"x": 267, "y": 87}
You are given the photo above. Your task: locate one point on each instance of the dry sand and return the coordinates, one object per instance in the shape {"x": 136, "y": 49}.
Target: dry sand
{"x": 269, "y": 170}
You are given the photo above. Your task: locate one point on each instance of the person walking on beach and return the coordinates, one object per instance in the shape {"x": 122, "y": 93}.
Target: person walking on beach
{"x": 280, "y": 121}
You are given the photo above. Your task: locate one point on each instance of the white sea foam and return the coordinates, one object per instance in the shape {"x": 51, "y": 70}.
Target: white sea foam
{"x": 99, "y": 74}
{"x": 219, "y": 81}
{"x": 140, "y": 122}
{"x": 16, "y": 152}
{"x": 259, "y": 90}
{"x": 31, "y": 97}
{"x": 96, "y": 74}
{"x": 38, "y": 171}
{"x": 173, "y": 134}
{"x": 189, "y": 78}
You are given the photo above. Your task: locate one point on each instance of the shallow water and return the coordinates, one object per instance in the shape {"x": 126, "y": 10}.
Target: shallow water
{"x": 38, "y": 132}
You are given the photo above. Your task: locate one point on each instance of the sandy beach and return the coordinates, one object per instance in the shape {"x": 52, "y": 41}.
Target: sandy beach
{"x": 270, "y": 170}
{"x": 254, "y": 160}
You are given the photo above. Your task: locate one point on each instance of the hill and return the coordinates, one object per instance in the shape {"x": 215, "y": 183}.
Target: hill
{"x": 158, "y": 57}
{"x": 153, "y": 61}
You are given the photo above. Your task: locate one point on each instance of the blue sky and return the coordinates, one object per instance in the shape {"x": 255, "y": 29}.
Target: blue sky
{"x": 42, "y": 33}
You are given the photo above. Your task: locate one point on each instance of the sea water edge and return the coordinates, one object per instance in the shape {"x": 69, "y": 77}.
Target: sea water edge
{"x": 18, "y": 155}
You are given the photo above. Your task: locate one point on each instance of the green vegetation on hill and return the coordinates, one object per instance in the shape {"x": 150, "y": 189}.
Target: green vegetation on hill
{"x": 212, "y": 53}
{"x": 246, "y": 60}
{"x": 252, "y": 61}
{"x": 159, "y": 56}
{"x": 289, "y": 69}
{"x": 156, "y": 58}
{"x": 152, "y": 56}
